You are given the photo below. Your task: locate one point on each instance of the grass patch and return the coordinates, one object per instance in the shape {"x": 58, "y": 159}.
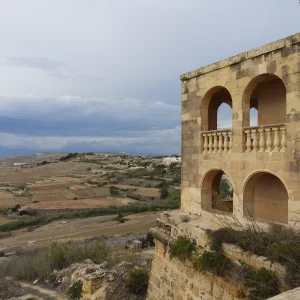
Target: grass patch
{"x": 265, "y": 284}
{"x": 212, "y": 262}
{"x": 182, "y": 248}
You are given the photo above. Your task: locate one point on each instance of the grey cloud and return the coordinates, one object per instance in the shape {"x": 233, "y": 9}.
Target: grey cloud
{"x": 51, "y": 67}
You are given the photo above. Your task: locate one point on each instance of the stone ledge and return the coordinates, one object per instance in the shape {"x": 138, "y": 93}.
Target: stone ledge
{"x": 290, "y": 295}
{"x": 170, "y": 225}
{"x": 282, "y": 43}
{"x": 173, "y": 224}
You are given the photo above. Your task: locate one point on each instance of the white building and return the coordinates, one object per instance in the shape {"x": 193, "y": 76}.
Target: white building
{"x": 168, "y": 160}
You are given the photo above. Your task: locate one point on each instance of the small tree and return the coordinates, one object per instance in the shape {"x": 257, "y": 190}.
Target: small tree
{"x": 164, "y": 192}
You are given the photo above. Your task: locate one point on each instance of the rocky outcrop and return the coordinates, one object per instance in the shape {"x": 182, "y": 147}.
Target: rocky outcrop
{"x": 99, "y": 281}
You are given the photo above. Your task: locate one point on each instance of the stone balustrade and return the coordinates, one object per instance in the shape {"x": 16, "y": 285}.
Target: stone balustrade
{"x": 217, "y": 141}
{"x": 268, "y": 138}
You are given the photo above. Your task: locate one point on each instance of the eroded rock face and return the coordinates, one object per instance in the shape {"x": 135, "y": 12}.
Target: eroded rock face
{"x": 99, "y": 281}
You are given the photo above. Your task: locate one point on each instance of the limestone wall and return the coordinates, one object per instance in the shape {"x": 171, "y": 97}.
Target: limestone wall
{"x": 175, "y": 280}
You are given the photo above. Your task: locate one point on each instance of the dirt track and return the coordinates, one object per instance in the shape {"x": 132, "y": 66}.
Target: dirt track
{"x": 80, "y": 229}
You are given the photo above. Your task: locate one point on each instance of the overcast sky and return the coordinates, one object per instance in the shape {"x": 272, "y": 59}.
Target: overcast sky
{"x": 103, "y": 75}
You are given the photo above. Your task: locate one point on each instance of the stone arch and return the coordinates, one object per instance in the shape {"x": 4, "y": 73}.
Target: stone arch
{"x": 265, "y": 197}
{"x": 211, "y": 193}
{"x": 266, "y": 93}
{"x": 210, "y": 104}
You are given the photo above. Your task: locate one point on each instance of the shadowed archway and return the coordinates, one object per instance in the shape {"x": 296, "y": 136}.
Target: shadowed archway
{"x": 265, "y": 197}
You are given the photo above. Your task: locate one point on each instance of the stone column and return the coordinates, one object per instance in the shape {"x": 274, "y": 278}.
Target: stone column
{"x": 215, "y": 142}
{"x": 248, "y": 143}
{"x": 255, "y": 142}
{"x": 261, "y": 140}
{"x": 225, "y": 134}
{"x": 276, "y": 139}
{"x": 205, "y": 146}
{"x": 269, "y": 140}
{"x": 220, "y": 145}
{"x": 283, "y": 139}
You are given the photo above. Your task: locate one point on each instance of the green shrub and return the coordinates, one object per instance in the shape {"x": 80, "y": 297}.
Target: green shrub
{"x": 134, "y": 196}
{"x": 212, "y": 262}
{"x": 120, "y": 219}
{"x": 174, "y": 198}
{"x": 225, "y": 190}
{"x": 183, "y": 248}
{"x": 114, "y": 190}
{"x": 137, "y": 283}
{"x": 75, "y": 290}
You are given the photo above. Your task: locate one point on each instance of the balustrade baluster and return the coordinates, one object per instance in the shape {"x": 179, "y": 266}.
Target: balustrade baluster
{"x": 276, "y": 139}
{"x": 261, "y": 140}
{"x": 215, "y": 142}
{"x": 210, "y": 144}
{"x": 283, "y": 139}
{"x": 220, "y": 145}
{"x": 230, "y": 141}
{"x": 205, "y": 145}
{"x": 248, "y": 142}
{"x": 269, "y": 140}
{"x": 225, "y": 135}
{"x": 255, "y": 142}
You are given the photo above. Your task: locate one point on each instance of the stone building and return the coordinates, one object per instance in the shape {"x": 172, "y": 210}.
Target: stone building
{"x": 262, "y": 163}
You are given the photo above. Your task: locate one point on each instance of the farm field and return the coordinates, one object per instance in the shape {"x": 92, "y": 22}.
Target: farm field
{"x": 79, "y": 229}
{"x": 82, "y": 182}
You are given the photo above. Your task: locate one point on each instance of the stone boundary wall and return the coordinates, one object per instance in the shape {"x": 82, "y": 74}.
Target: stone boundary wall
{"x": 177, "y": 280}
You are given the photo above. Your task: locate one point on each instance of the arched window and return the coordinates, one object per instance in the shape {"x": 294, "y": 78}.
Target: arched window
{"x": 266, "y": 93}
{"x": 217, "y": 192}
{"x": 214, "y": 111}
